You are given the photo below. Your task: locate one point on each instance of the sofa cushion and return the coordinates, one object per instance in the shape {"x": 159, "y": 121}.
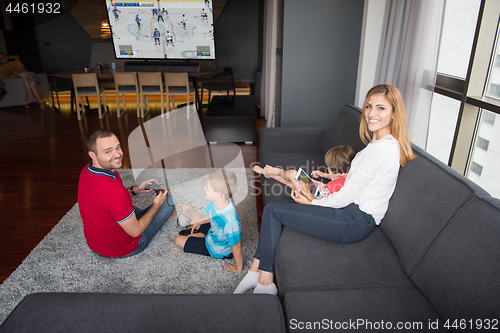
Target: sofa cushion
{"x": 377, "y": 309}
{"x": 427, "y": 196}
{"x": 460, "y": 274}
{"x": 304, "y": 262}
{"x": 344, "y": 130}
{"x": 290, "y": 139}
{"x": 81, "y": 312}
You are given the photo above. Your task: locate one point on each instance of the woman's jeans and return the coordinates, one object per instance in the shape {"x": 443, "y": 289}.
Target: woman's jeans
{"x": 159, "y": 220}
{"x": 339, "y": 225}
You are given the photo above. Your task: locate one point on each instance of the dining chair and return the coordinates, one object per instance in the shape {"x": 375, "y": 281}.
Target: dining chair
{"x": 150, "y": 83}
{"x": 126, "y": 83}
{"x": 87, "y": 85}
{"x": 177, "y": 84}
{"x": 221, "y": 80}
{"x": 58, "y": 84}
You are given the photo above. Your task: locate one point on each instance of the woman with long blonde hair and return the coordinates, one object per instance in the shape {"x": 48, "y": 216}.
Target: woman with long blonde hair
{"x": 351, "y": 214}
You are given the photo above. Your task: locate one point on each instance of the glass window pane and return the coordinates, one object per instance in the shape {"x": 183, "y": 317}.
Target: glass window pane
{"x": 494, "y": 74}
{"x": 444, "y": 114}
{"x": 459, "y": 26}
{"x": 485, "y": 162}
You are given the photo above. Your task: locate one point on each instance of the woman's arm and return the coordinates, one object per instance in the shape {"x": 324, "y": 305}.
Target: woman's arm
{"x": 363, "y": 169}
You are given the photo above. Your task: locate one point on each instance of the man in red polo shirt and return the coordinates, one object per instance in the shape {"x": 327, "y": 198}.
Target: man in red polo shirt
{"x": 113, "y": 227}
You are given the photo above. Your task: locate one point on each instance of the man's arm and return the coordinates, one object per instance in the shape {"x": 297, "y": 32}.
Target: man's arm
{"x": 134, "y": 227}
{"x": 141, "y": 188}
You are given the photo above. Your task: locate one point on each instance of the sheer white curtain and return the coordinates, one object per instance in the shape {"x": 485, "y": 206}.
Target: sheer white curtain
{"x": 270, "y": 44}
{"x": 408, "y": 58}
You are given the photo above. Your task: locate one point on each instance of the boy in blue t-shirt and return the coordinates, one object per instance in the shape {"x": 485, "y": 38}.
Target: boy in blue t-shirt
{"x": 218, "y": 234}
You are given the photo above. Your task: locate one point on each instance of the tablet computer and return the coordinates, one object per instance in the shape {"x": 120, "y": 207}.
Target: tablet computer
{"x": 302, "y": 176}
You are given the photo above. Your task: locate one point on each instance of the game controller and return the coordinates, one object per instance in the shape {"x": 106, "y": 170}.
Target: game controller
{"x": 158, "y": 190}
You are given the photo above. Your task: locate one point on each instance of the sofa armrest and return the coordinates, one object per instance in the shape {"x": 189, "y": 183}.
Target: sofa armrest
{"x": 16, "y": 90}
{"x": 291, "y": 139}
{"x": 16, "y": 93}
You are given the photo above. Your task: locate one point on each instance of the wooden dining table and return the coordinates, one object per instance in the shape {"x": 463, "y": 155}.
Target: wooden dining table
{"x": 106, "y": 80}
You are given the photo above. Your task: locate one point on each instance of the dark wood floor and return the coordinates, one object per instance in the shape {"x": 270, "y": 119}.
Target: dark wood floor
{"x": 43, "y": 153}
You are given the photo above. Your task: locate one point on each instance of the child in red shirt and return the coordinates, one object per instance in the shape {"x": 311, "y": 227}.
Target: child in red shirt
{"x": 338, "y": 160}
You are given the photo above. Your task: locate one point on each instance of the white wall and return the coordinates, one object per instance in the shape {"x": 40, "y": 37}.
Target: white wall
{"x": 321, "y": 39}
{"x": 373, "y": 17}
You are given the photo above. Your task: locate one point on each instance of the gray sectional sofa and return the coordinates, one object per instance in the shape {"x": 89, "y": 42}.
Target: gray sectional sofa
{"x": 432, "y": 265}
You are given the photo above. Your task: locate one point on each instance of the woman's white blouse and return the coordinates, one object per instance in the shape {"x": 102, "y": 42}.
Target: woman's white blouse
{"x": 371, "y": 179}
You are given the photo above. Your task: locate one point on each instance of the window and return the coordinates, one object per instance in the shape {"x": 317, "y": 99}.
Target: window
{"x": 464, "y": 129}
{"x": 494, "y": 90}
{"x": 459, "y": 25}
{"x": 489, "y": 118}
{"x": 442, "y": 122}
{"x": 482, "y": 143}
{"x": 476, "y": 168}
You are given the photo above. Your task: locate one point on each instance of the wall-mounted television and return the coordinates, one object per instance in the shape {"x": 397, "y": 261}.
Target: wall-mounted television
{"x": 162, "y": 29}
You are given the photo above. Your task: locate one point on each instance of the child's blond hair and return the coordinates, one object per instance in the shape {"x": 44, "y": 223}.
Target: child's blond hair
{"x": 339, "y": 158}
{"x": 223, "y": 181}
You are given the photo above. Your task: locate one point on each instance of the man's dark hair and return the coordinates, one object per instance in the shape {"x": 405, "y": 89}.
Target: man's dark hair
{"x": 94, "y": 135}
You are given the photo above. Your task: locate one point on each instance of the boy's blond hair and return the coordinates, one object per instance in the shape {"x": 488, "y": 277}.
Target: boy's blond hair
{"x": 339, "y": 158}
{"x": 223, "y": 181}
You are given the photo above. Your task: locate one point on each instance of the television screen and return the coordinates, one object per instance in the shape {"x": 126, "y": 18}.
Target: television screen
{"x": 162, "y": 29}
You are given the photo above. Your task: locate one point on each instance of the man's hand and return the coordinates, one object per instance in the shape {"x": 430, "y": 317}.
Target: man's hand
{"x": 160, "y": 198}
{"x": 142, "y": 186}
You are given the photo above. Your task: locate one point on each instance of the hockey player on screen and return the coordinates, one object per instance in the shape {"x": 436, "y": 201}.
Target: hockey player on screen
{"x": 211, "y": 31}
{"x": 183, "y": 22}
{"x": 116, "y": 11}
{"x": 138, "y": 21}
{"x": 203, "y": 15}
{"x": 156, "y": 35}
{"x": 169, "y": 38}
